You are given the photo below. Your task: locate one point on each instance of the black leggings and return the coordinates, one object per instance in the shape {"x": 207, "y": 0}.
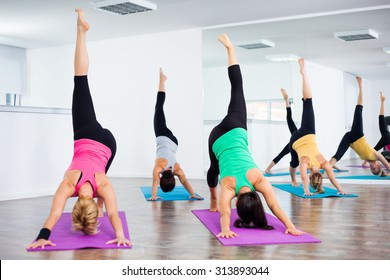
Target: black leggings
{"x": 307, "y": 127}
{"x": 355, "y": 134}
{"x": 236, "y": 118}
{"x": 160, "y": 126}
{"x": 85, "y": 125}
{"x": 292, "y": 127}
{"x": 385, "y": 135}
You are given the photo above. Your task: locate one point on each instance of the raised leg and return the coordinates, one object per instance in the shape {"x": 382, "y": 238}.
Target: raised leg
{"x": 81, "y": 59}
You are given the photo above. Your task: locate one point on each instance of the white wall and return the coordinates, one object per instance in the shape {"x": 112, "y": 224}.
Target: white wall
{"x": 372, "y": 106}
{"x": 35, "y": 150}
{"x": 259, "y": 80}
{"x": 123, "y": 79}
{"x": 13, "y": 70}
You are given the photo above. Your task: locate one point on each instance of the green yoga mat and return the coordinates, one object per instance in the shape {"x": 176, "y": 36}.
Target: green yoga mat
{"x": 298, "y": 191}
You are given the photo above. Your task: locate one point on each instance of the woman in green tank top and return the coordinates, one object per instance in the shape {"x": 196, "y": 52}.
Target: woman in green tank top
{"x": 231, "y": 160}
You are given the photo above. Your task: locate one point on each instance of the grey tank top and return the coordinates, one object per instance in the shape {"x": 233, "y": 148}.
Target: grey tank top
{"x": 166, "y": 148}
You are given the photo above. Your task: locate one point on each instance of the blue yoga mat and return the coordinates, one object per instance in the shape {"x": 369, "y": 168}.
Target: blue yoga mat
{"x": 288, "y": 173}
{"x": 298, "y": 191}
{"x": 364, "y": 177}
{"x": 178, "y": 193}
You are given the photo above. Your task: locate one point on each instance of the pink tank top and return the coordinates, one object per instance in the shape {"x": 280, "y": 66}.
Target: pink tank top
{"x": 89, "y": 157}
{"x": 387, "y": 147}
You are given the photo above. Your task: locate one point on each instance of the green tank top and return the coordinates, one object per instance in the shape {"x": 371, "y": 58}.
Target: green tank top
{"x": 234, "y": 158}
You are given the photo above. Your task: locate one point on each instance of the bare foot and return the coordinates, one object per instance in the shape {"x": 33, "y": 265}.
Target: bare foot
{"x": 301, "y": 63}
{"x": 359, "y": 81}
{"x": 268, "y": 171}
{"x": 294, "y": 184}
{"x": 224, "y": 39}
{"x": 81, "y": 23}
{"x": 163, "y": 77}
{"x": 382, "y": 97}
{"x": 285, "y": 95}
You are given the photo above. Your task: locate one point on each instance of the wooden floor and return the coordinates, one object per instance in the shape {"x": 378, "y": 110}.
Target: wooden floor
{"x": 349, "y": 228}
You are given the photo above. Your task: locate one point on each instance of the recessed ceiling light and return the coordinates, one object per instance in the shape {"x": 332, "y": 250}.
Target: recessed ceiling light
{"x": 386, "y": 49}
{"x": 356, "y": 35}
{"x": 255, "y": 44}
{"x": 123, "y": 7}
{"x": 282, "y": 57}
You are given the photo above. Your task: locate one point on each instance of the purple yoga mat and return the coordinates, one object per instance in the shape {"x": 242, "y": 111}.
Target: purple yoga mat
{"x": 251, "y": 236}
{"x": 66, "y": 239}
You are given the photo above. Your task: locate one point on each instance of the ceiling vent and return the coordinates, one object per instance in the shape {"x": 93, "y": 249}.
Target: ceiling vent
{"x": 123, "y": 7}
{"x": 356, "y": 35}
{"x": 252, "y": 45}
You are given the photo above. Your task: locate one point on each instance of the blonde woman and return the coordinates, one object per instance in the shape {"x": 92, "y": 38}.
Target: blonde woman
{"x": 94, "y": 150}
{"x": 357, "y": 141}
{"x": 303, "y": 146}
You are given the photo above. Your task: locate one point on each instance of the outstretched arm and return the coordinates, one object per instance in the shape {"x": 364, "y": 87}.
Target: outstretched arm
{"x": 264, "y": 186}
{"x": 225, "y": 199}
{"x": 183, "y": 179}
{"x": 329, "y": 170}
{"x": 156, "y": 181}
{"x": 64, "y": 191}
{"x": 106, "y": 191}
{"x": 382, "y": 159}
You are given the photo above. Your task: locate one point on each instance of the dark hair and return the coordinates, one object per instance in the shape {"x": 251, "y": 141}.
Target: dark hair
{"x": 251, "y": 212}
{"x": 167, "y": 181}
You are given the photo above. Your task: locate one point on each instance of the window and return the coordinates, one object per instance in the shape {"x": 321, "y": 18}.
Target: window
{"x": 266, "y": 110}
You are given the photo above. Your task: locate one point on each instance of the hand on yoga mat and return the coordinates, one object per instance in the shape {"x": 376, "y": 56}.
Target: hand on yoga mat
{"x": 154, "y": 198}
{"x": 41, "y": 243}
{"x": 294, "y": 231}
{"x": 308, "y": 194}
{"x": 227, "y": 234}
{"x": 343, "y": 193}
{"x": 120, "y": 241}
{"x": 197, "y": 197}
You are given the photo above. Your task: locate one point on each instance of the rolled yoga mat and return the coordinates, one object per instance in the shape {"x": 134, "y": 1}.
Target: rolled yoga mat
{"x": 298, "y": 191}
{"x": 66, "y": 239}
{"x": 251, "y": 236}
{"x": 178, "y": 193}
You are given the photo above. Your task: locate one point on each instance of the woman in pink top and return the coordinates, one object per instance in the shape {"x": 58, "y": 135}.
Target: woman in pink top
{"x": 94, "y": 150}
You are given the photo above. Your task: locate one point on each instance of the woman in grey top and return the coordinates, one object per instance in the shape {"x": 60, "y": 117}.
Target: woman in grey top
{"x": 166, "y": 167}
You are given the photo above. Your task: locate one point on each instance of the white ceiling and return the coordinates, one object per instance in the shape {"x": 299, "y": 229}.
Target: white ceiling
{"x": 303, "y": 27}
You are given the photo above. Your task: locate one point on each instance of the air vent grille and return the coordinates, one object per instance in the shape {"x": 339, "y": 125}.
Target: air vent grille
{"x": 356, "y": 35}
{"x": 259, "y": 44}
{"x": 121, "y": 7}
